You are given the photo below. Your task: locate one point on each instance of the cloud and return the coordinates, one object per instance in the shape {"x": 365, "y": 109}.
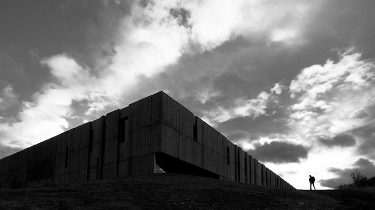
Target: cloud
{"x": 341, "y": 140}
{"x": 344, "y": 23}
{"x": 331, "y": 97}
{"x": 365, "y": 135}
{"x": 319, "y": 79}
{"x": 240, "y": 108}
{"x": 253, "y": 128}
{"x": 280, "y": 22}
{"x": 277, "y": 89}
{"x": 366, "y": 167}
{"x": 279, "y": 152}
{"x": 8, "y": 99}
{"x": 45, "y": 116}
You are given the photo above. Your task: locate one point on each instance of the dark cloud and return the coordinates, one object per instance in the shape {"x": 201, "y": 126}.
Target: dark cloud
{"x": 279, "y": 152}
{"x": 10, "y": 70}
{"x": 366, "y": 167}
{"x": 341, "y": 140}
{"x": 254, "y": 127}
{"x": 236, "y": 135}
{"x": 367, "y": 144}
{"x": 344, "y": 24}
{"x": 235, "y": 85}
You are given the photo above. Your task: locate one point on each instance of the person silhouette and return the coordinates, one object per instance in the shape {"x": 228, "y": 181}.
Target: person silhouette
{"x": 312, "y": 180}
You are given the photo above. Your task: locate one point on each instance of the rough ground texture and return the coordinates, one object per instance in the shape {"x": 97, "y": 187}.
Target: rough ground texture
{"x": 173, "y": 191}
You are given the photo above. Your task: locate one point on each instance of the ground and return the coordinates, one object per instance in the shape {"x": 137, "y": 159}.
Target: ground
{"x": 174, "y": 191}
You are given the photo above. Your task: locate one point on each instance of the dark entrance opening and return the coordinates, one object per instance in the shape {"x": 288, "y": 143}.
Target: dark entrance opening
{"x": 174, "y": 165}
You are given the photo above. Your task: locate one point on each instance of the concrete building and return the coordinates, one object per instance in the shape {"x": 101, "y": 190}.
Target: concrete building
{"x": 150, "y": 135}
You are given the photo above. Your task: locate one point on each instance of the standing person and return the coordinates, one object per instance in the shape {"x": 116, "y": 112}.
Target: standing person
{"x": 312, "y": 180}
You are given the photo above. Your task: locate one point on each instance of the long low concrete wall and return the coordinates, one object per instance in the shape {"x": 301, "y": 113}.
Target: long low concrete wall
{"x": 151, "y": 135}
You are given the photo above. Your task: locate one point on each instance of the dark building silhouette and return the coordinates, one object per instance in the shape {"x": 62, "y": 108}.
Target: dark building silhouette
{"x": 151, "y": 135}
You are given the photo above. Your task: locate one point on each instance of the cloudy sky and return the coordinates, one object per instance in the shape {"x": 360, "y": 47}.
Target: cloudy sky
{"x": 290, "y": 81}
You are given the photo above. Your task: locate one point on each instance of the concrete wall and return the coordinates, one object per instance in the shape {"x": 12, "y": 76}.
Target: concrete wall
{"x": 131, "y": 141}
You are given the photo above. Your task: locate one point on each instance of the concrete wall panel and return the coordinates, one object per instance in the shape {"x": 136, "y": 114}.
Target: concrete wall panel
{"x": 112, "y": 123}
{"x": 52, "y": 148}
{"x": 273, "y": 179}
{"x": 155, "y": 137}
{"x": 197, "y": 154}
{"x": 209, "y": 160}
{"x": 189, "y": 150}
{"x": 143, "y": 164}
{"x": 95, "y": 161}
{"x": 221, "y": 164}
{"x": 182, "y": 120}
{"x": 221, "y": 148}
{"x": 142, "y": 142}
{"x": 246, "y": 159}
{"x": 156, "y": 106}
{"x": 134, "y": 112}
{"x": 73, "y": 161}
{"x": 85, "y": 134}
{"x": 110, "y": 150}
{"x": 70, "y": 142}
{"x": 93, "y": 173}
{"x": 207, "y": 136}
{"x": 58, "y": 144}
{"x": 231, "y": 146}
{"x": 126, "y": 145}
{"x": 242, "y": 164}
{"x": 264, "y": 175}
{"x": 59, "y": 165}
{"x": 124, "y": 150}
{"x": 182, "y": 147}
{"x": 189, "y": 125}
{"x": 125, "y": 112}
{"x": 169, "y": 111}
{"x": 64, "y": 143}
{"x": 126, "y": 167}
{"x": 252, "y": 170}
{"x": 169, "y": 141}
{"x": 83, "y": 160}
{"x": 199, "y": 125}
{"x": 215, "y": 141}
{"x": 95, "y": 153}
{"x": 75, "y": 138}
{"x": 258, "y": 172}
{"x": 97, "y": 127}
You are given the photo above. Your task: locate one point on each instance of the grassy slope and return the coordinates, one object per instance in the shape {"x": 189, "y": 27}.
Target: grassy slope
{"x": 173, "y": 191}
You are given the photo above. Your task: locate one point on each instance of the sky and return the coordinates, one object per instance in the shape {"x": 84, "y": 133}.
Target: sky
{"x": 292, "y": 82}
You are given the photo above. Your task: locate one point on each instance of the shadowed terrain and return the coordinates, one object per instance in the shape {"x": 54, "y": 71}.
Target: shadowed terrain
{"x": 175, "y": 191}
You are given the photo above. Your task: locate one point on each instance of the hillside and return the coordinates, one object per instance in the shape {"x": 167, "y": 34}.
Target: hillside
{"x": 174, "y": 191}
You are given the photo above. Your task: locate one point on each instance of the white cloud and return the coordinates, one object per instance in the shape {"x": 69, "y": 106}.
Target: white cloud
{"x": 330, "y": 95}
{"x": 214, "y": 22}
{"x": 277, "y": 88}
{"x": 45, "y": 116}
{"x": 240, "y": 108}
